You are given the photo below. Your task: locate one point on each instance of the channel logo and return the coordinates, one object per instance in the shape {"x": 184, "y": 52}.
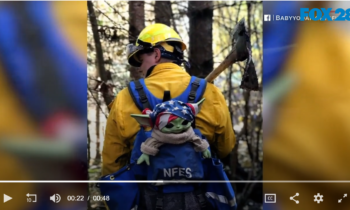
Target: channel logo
{"x": 267, "y": 17}
{"x": 324, "y": 14}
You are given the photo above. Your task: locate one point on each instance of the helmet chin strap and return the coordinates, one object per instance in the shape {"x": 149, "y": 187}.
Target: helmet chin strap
{"x": 187, "y": 64}
{"x": 176, "y": 56}
{"x": 149, "y": 71}
{"x": 183, "y": 61}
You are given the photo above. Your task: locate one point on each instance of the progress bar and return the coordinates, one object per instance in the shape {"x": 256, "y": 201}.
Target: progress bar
{"x": 176, "y": 181}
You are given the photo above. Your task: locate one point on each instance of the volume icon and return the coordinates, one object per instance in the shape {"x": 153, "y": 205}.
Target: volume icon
{"x": 56, "y": 198}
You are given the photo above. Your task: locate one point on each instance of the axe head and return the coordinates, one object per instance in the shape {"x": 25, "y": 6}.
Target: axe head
{"x": 249, "y": 79}
{"x": 241, "y": 42}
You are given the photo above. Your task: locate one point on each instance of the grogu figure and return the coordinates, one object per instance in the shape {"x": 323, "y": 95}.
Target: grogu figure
{"x": 171, "y": 122}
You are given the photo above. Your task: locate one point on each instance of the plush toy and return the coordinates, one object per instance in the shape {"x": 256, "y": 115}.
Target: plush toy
{"x": 171, "y": 122}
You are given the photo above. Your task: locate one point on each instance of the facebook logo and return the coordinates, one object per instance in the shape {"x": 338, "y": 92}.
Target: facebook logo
{"x": 267, "y": 17}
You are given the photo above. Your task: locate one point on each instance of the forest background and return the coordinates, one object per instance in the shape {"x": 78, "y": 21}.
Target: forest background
{"x": 206, "y": 27}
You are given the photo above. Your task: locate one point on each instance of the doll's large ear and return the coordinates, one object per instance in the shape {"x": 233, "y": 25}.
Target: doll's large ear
{"x": 143, "y": 119}
{"x": 199, "y": 103}
{"x": 197, "y": 106}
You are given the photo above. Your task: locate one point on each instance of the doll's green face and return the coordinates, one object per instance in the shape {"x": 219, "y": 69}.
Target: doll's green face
{"x": 178, "y": 125}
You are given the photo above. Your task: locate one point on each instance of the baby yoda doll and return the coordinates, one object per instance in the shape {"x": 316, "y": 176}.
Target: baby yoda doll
{"x": 171, "y": 122}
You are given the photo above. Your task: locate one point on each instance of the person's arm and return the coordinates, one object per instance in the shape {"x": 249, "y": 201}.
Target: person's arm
{"x": 115, "y": 152}
{"x": 120, "y": 132}
{"x": 214, "y": 122}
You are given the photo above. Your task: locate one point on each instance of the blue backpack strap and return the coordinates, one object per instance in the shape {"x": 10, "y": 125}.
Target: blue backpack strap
{"x": 143, "y": 98}
{"x": 142, "y": 95}
{"x": 138, "y": 94}
{"x": 194, "y": 87}
{"x": 22, "y": 58}
{"x": 196, "y": 92}
{"x": 197, "y": 89}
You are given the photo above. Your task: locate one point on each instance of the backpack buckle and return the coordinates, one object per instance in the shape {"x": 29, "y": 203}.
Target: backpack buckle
{"x": 193, "y": 91}
{"x": 143, "y": 100}
{"x": 196, "y": 83}
{"x": 201, "y": 199}
{"x": 191, "y": 97}
{"x": 159, "y": 203}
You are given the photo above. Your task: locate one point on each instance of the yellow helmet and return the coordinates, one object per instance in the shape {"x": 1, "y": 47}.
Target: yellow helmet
{"x": 151, "y": 36}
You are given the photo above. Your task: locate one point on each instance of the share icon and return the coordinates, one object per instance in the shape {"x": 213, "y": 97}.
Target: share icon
{"x": 292, "y": 198}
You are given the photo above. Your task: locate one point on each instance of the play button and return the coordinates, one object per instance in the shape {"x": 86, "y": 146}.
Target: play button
{"x": 7, "y": 198}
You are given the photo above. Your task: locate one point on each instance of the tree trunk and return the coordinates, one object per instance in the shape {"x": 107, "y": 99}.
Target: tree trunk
{"x": 88, "y": 144}
{"x": 102, "y": 72}
{"x": 200, "y": 14}
{"x": 98, "y": 154}
{"x": 162, "y": 10}
{"x": 136, "y": 24}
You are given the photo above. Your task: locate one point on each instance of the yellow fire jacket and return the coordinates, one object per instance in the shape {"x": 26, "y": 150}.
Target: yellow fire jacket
{"x": 310, "y": 137}
{"x": 213, "y": 120}
{"x": 15, "y": 119}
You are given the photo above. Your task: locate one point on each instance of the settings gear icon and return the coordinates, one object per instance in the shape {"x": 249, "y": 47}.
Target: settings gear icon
{"x": 318, "y": 198}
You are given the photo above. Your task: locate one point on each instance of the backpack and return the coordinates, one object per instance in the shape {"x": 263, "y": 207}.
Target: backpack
{"x": 168, "y": 164}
